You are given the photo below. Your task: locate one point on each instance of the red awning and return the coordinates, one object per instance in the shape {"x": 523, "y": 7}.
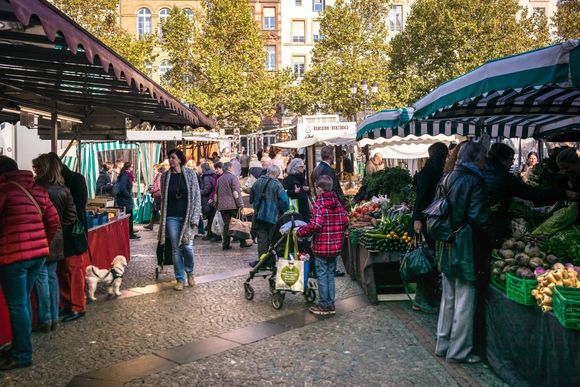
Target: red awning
{"x": 36, "y": 66}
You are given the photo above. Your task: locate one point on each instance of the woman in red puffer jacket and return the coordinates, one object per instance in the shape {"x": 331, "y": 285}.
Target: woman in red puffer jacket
{"x": 28, "y": 225}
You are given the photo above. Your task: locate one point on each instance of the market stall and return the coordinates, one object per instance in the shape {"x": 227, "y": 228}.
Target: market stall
{"x": 535, "y": 287}
{"x": 57, "y": 78}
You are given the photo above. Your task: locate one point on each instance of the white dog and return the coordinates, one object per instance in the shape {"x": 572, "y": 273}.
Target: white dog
{"x": 114, "y": 276}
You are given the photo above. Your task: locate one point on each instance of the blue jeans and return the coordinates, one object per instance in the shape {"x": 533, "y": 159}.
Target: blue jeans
{"x": 325, "y": 268}
{"x": 17, "y": 280}
{"x": 47, "y": 293}
{"x": 182, "y": 254}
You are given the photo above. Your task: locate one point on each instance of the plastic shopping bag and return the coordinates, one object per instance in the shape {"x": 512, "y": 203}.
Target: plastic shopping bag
{"x": 217, "y": 226}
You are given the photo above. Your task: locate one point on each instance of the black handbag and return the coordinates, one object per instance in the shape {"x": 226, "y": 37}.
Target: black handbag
{"x": 164, "y": 253}
{"x": 418, "y": 265}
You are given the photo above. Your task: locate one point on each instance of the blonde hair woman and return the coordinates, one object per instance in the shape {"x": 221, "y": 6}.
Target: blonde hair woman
{"x": 47, "y": 290}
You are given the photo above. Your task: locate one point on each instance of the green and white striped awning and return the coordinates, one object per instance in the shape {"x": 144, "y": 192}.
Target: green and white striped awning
{"x": 384, "y": 124}
{"x": 544, "y": 81}
{"x": 147, "y": 153}
{"x": 511, "y": 126}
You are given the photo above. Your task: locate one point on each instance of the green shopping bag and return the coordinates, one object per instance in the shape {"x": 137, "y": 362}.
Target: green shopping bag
{"x": 145, "y": 209}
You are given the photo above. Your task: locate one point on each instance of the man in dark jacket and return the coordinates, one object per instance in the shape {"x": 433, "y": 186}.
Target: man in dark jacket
{"x": 427, "y": 180}
{"x": 104, "y": 185}
{"x": 324, "y": 169}
{"x": 461, "y": 259}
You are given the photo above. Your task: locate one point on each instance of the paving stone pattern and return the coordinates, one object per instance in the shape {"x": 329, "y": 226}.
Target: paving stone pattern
{"x": 368, "y": 346}
{"x": 117, "y": 330}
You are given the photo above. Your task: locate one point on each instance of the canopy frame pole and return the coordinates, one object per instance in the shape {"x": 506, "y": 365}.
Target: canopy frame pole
{"x": 70, "y": 144}
{"x": 53, "y": 130}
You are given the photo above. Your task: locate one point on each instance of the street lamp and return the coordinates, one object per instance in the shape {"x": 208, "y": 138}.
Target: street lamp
{"x": 365, "y": 93}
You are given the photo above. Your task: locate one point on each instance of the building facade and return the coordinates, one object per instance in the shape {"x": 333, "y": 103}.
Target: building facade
{"x": 268, "y": 15}
{"x": 300, "y": 32}
{"x": 291, "y": 27}
{"x": 144, "y": 17}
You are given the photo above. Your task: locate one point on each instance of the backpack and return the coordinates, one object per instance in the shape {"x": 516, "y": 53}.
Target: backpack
{"x": 438, "y": 218}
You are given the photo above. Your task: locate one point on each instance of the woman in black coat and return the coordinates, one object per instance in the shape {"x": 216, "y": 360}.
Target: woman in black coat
{"x": 296, "y": 187}
{"x": 124, "y": 194}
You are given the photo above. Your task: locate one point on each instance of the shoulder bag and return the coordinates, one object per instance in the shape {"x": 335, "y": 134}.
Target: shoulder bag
{"x": 438, "y": 218}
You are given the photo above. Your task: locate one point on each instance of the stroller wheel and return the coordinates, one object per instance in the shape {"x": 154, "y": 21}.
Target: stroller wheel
{"x": 310, "y": 295}
{"x": 156, "y": 273}
{"x": 277, "y": 300}
{"x": 248, "y": 292}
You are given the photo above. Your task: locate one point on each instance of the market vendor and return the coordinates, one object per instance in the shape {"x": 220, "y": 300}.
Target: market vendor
{"x": 569, "y": 164}
{"x": 374, "y": 165}
{"x": 502, "y": 186}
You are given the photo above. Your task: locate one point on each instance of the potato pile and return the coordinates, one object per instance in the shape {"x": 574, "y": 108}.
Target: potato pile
{"x": 519, "y": 258}
{"x": 560, "y": 275}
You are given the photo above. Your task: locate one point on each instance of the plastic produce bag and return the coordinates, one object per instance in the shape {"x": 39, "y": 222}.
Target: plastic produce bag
{"x": 217, "y": 226}
{"x": 561, "y": 219}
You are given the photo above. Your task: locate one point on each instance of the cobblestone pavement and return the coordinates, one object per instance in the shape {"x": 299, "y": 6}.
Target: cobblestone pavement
{"x": 209, "y": 259}
{"x": 366, "y": 347}
{"x": 369, "y": 346}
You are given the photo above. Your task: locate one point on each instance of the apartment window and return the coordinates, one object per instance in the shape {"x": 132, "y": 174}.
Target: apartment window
{"x": 189, "y": 13}
{"x": 143, "y": 21}
{"x": 298, "y": 3}
{"x": 318, "y": 5}
{"x": 298, "y": 31}
{"x": 269, "y": 18}
{"x": 164, "y": 67}
{"x": 298, "y": 64}
{"x": 316, "y": 36}
{"x": 163, "y": 16}
{"x": 396, "y": 18}
{"x": 271, "y": 58}
{"x": 539, "y": 11}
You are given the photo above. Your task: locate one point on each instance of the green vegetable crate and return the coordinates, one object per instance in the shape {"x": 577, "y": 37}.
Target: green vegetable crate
{"x": 520, "y": 290}
{"x": 566, "y": 304}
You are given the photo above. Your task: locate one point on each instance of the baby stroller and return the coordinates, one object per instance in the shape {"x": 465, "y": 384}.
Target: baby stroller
{"x": 266, "y": 266}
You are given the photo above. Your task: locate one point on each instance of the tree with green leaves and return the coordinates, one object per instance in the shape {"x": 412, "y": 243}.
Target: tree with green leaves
{"x": 101, "y": 18}
{"x": 567, "y": 19}
{"x": 219, "y": 64}
{"x": 355, "y": 48}
{"x": 443, "y": 39}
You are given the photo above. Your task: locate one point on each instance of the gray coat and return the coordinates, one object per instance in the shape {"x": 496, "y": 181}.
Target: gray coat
{"x": 193, "y": 206}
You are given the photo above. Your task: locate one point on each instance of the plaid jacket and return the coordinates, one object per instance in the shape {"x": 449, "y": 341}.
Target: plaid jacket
{"x": 328, "y": 224}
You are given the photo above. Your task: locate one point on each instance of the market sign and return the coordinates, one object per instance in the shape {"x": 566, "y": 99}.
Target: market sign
{"x": 325, "y": 130}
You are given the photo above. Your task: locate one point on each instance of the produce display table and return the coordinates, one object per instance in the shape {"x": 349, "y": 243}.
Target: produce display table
{"x": 375, "y": 270}
{"x": 351, "y": 258}
{"x": 528, "y": 347}
{"x": 105, "y": 242}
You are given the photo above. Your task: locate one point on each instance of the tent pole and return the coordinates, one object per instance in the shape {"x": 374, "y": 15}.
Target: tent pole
{"x": 53, "y": 131}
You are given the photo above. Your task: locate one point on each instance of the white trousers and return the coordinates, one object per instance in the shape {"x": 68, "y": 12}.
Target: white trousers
{"x": 455, "y": 325}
